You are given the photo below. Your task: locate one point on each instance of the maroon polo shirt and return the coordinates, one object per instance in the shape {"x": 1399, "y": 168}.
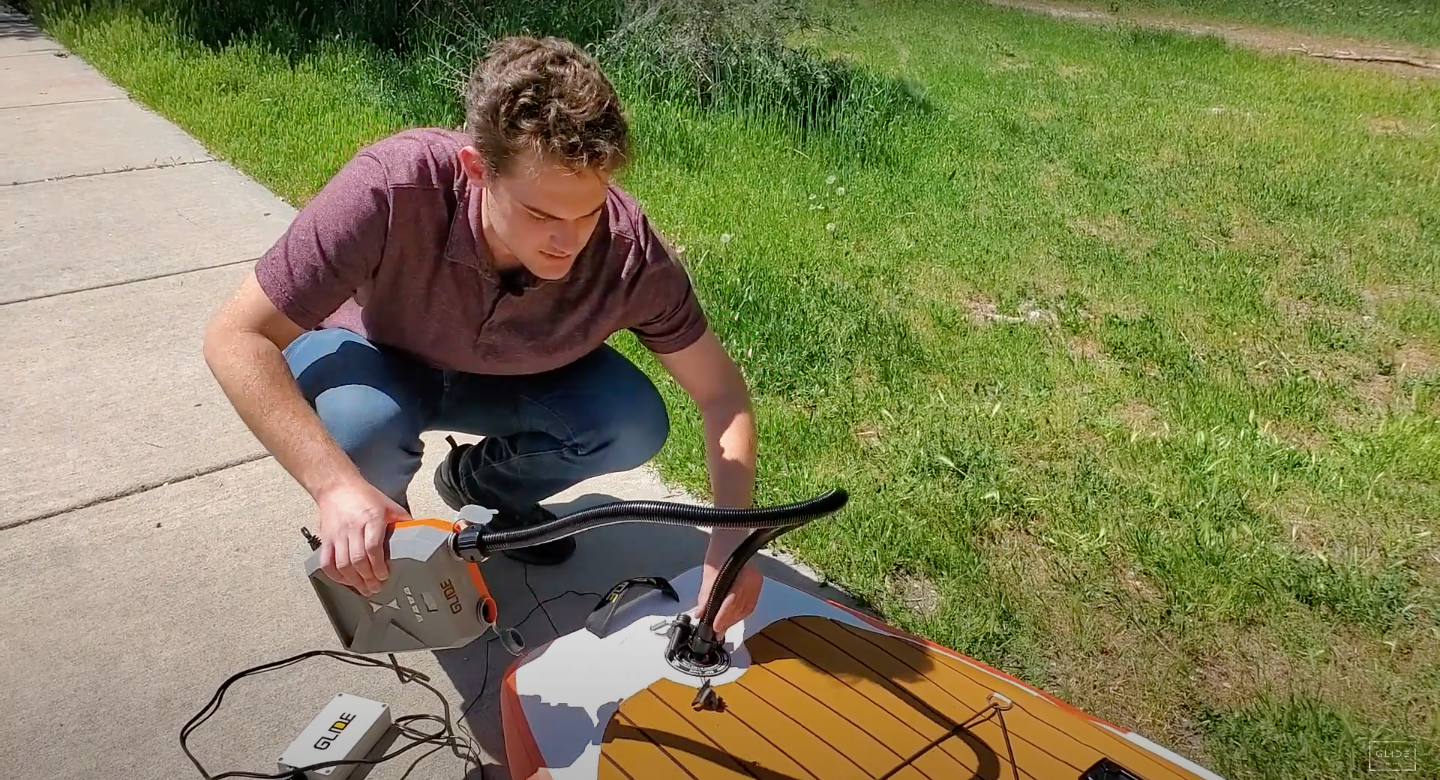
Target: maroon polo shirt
{"x": 388, "y": 249}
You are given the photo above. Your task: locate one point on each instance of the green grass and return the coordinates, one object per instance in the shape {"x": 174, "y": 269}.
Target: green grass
{"x": 1193, "y": 491}
{"x": 1414, "y": 22}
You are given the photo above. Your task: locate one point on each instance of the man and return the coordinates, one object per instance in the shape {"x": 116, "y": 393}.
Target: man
{"x": 468, "y": 282}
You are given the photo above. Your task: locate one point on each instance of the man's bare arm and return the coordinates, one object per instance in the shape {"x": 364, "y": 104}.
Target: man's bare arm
{"x": 706, "y": 372}
{"x": 243, "y": 344}
{"x": 243, "y": 348}
{"x": 713, "y": 381}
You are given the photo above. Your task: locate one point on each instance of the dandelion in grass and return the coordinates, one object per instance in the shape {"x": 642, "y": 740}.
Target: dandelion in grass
{"x": 840, "y": 191}
{"x": 829, "y": 180}
{"x": 829, "y": 227}
{"x": 726, "y": 238}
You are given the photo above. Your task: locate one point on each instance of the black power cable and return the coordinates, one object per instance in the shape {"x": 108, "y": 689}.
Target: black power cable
{"x": 475, "y": 543}
{"x": 445, "y": 737}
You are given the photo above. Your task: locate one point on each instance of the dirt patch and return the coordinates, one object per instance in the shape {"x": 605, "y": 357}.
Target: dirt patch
{"x": 948, "y": 287}
{"x": 1375, "y": 678}
{"x": 1239, "y": 665}
{"x": 916, "y": 592}
{"x": 980, "y": 308}
{"x": 1415, "y": 359}
{"x": 1427, "y": 567}
{"x": 1336, "y": 531}
{"x": 983, "y": 311}
{"x": 1308, "y": 539}
{"x": 1315, "y": 527}
{"x": 1377, "y": 294}
{"x": 1111, "y": 230}
{"x": 1139, "y": 587}
{"x": 1346, "y": 417}
{"x": 1383, "y": 126}
{"x": 1266, "y": 361}
{"x": 1377, "y": 391}
{"x": 1085, "y": 347}
{"x": 1108, "y": 229}
{"x": 1321, "y": 340}
{"x": 1126, "y": 675}
{"x": 1295, "y": 309}
{"x": 1379, "y": 678}
{"x": 1295, "y": 435}
{"x": 1380, "y": 391}
{"x": 1299, "y": 514}
{"x": 1249, "y": 233}
{"x": 1143, "y": 420}
{"x": 1117, "y": 656}
{"x": 1344, "y": 51}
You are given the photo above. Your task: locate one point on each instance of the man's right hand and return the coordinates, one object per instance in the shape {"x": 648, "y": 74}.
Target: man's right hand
{"x": 354, "y": 521}
{"x": 244, "y": 345}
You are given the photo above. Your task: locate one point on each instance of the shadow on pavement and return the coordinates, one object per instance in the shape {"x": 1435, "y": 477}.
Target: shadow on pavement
{"x": 570, "y": 592}
{"x": 412, "y": 759}
{"x": 16, "y": 25}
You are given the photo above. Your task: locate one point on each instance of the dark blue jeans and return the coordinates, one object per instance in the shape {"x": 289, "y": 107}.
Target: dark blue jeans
{"x": 543, "y": 432}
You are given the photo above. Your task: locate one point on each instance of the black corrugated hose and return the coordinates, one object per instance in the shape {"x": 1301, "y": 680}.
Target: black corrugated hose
{"x": 766, "y": 524}
{"x": 783, "y": 517}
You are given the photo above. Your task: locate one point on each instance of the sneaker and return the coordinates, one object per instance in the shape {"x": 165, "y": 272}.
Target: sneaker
{"x": 457, "y": 493}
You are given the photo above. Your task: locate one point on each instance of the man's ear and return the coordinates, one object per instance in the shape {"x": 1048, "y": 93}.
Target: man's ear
{"x": 474, "y": 165}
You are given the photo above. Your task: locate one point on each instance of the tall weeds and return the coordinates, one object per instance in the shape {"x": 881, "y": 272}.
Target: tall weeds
{"x": 736, "y": 56}
{"x": 740, "y": 56}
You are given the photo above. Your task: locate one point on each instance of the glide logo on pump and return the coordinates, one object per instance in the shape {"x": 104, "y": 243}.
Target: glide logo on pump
{"x": 333, "y": 733}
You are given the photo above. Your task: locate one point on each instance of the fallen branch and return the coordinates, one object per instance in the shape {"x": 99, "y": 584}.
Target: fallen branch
{"x": 1377, "y": 58}
{"x": 1368, "y": 58}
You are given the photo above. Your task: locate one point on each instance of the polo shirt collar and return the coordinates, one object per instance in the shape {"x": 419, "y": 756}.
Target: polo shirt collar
{"x": 464, "y": 246}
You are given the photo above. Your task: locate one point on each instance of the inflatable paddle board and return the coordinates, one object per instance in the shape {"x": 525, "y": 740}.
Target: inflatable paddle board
{"x": 811, "y": 690}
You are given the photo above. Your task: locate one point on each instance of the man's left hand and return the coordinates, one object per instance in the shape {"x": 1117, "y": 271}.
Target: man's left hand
{"x": 739, "y": 602}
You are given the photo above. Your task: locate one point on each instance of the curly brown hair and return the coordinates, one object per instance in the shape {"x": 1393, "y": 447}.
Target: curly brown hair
{"x": 547, "y": 96}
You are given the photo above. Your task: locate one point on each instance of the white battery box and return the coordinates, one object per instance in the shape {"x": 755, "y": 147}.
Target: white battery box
{"x": 345, "y": 730}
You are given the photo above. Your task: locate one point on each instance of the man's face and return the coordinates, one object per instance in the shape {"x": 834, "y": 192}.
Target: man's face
{"x": 541, "y": 214}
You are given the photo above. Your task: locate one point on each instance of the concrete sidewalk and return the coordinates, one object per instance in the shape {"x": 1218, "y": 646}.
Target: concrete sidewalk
{"x": 151, "y": 545}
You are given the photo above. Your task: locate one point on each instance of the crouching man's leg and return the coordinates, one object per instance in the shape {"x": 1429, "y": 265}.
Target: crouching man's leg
{"x": 373, "y": 402}
{"x": 545, "y": 433}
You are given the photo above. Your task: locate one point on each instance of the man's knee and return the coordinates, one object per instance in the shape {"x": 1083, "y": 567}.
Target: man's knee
{"x": 367, "y": 424}
{"x": 636, "y": 431}
{"x": 364, "y": 402}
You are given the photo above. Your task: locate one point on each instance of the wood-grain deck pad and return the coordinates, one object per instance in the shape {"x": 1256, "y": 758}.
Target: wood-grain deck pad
{"x": 823, "y": 700}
